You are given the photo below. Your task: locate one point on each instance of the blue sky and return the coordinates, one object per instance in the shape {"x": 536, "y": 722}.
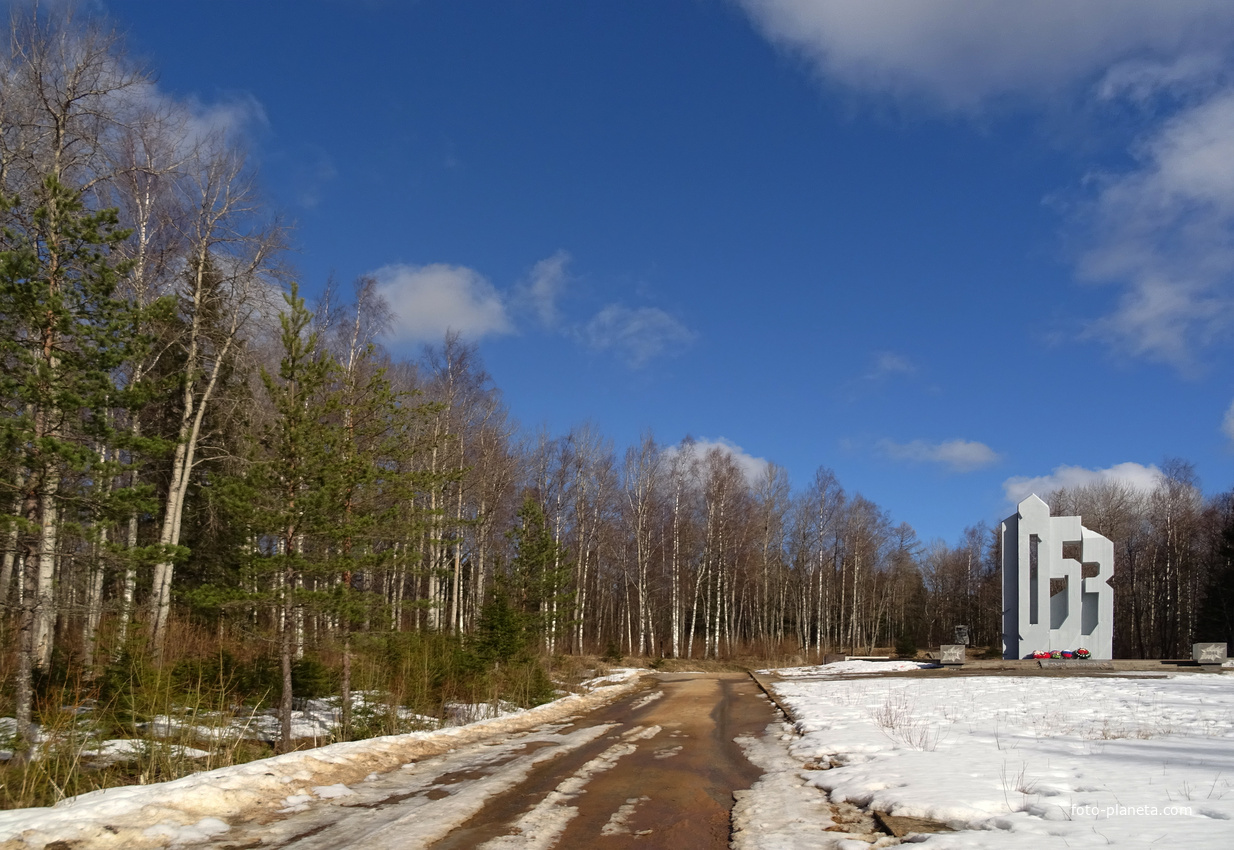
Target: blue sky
{"x": 940, "y": 247}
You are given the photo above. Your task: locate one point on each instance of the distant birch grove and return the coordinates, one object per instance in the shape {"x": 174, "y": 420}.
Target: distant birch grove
{"x": 185, "y": 443}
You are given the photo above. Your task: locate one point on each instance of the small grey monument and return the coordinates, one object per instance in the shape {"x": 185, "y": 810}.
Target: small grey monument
{"x": 1208, "y": 653}
{"x": 952, "y": 654}
{"x": 1050, "y": 601}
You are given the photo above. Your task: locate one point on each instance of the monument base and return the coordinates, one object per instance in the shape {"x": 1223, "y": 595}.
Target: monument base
{"x": 1074, "y": 664}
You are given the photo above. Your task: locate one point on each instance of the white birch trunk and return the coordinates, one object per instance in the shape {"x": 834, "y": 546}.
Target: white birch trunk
{"x": 45, "y": 572}
{"x": 192, "y": 414}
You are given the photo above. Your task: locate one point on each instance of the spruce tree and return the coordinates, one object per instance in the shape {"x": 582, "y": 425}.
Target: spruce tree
{"x": 539, "y": 576}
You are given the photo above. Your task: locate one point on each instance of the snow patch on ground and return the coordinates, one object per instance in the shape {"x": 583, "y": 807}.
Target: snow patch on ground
{"x": 616, "y": 675}
{"x": 780, "y": 812}
{"x": 647, "y": 700}
{"x": 1037, "y": 761}
{"x": 619, "y": 823}
{"x": 124, "y": 749}
{"x": 175, "y": 836}
{"x": 849, "y": 668}
{"x": 193, "y": 808}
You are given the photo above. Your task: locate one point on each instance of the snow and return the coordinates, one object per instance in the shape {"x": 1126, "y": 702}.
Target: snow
{"x": 850, "y": 668}
{"x": 122, "y": 749}
{"x": 1007, "y": 761}
{"x": 542, "y": 826}
{"x": 433, "y": 797}
{"x": 196, "y": 807}
{"x": 780, "y": 808}
{"x": 318, "y": 718}
{"x": 173, "y": 836}
{"x": 616, "y": 675}
{"x": 619, "y": 822}
{"x": 1036, "y": 760}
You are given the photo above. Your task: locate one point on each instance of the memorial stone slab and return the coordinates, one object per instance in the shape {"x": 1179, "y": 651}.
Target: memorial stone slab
{"x": 1208, "y": 653}
{"x": 952, "y": 654}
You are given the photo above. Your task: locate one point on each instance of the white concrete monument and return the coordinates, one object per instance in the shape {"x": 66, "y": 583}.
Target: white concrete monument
{"x": 1052, "y": 601}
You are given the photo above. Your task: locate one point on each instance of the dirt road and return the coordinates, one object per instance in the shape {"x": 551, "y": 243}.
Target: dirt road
{"x": 657, "y": 769}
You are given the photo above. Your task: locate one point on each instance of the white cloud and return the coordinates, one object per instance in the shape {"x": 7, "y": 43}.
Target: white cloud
{"x": 752, "y": 468}
{"x": 1132, "y": 474}
{"x": 429, "y": 300}
{"x": 887, "y": 364}
{"x": 237, "y": 114}
{"x": 544, "y": 286}
{"x": 240, "y": 113}
{"x": 638, "y": 334}
{"x": 957, "y": 455}
{"x": 1139, "y": 80}
{"x": 961, "y": 54}
{"x": 1227, "y": 423}
{"x": 1162, "y": 232}
{"x": 1166, "y": 232}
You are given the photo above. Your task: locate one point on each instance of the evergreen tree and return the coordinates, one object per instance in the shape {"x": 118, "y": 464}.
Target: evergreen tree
{"x": 502, "y": 633}
{"x": 296, "y": 455}
{"x": 365, "y": 486}
{"x": 64, "y": 337}
{"x": 539, "y": 576}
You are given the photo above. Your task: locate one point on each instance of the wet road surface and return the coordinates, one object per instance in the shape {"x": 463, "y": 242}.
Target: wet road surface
{"x": 656, "y": 769}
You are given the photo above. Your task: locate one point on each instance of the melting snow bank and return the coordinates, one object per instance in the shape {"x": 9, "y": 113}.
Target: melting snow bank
{"x": 780, "y": 811}
{"x": 1013, "y": 762}
{"x": 198, "y": 807}
{"x": 849, "y": 668}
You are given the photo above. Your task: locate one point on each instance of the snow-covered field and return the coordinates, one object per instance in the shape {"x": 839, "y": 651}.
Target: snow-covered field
{"x": 1008, "y": 761}
{"x": 198, "y": 807}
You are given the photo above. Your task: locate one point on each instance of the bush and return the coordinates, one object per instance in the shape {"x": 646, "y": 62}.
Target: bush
{"x": 906, "y": 646}
{"x": 310, "y": 678}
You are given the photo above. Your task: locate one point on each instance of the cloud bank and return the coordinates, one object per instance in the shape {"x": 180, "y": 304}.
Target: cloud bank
{"x": 1162, "y": 231}
{"x": 1132, "y": 474}
{"x": 1165, "y": 230}
{"x": 961, "y": 54}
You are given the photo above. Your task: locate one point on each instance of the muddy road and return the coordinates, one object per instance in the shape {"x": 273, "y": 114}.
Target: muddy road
{"x": 655, "y": 769}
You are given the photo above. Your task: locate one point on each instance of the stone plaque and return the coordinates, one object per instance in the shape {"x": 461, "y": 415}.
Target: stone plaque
{"x": 1208, "y": 653}
{"x": 952, "y": 653}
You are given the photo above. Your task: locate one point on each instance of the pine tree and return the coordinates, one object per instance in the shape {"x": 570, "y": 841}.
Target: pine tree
{"x": 63, "y": 338}
{"x": 296, "y": 455}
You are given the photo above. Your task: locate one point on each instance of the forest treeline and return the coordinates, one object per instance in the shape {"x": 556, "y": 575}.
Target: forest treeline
{"x": 186, "y": 444}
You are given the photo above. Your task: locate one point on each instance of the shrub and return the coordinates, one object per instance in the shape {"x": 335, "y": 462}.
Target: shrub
{"x": 906, "y": 646}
